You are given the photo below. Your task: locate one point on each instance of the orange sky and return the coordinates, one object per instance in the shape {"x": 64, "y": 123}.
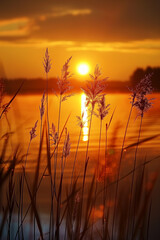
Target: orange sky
{"x": 118, "y": 35}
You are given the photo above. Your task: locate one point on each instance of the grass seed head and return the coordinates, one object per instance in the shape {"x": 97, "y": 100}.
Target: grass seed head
{"x": 142, "y": 104}
{"x": 63, "y": 82}
{"x": 53, "y": 134}
{"x": 47, "y": 62}
{"x": 80, "y": 120}
{"x": 144, "y": 87}
{"x": 103, "y": 109}
{"x": 94, "y": 88}
{"x": 67, "y": 146}
{"x": 42, "y": 107}
{"x": 33, "y": 131}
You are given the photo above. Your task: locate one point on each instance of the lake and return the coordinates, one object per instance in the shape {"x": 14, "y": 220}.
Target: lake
{"x": 24, "y": 112}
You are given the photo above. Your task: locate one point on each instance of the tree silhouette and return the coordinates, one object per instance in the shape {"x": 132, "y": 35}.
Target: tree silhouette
{"x": 139, "y": 73}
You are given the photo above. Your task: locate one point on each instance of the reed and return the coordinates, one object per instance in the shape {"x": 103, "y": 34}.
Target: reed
{"x": 82, "y": 210}
{"x": 93, "y": 91}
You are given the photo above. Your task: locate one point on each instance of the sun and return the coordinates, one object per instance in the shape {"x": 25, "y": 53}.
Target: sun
{"x": 83, "y": 68}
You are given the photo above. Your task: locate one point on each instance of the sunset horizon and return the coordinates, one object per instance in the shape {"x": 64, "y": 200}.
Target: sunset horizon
{"x": 79, "y": 120}
{"x": 118, "y": 37}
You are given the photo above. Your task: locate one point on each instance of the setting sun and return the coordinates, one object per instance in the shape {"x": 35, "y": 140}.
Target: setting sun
{"x": 83, "y": 68}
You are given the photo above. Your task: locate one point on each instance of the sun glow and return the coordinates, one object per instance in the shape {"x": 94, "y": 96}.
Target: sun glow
{"x": 83, "y": 68}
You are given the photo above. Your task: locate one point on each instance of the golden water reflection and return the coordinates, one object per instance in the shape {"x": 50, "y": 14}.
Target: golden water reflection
{"x": 84, "y": 113}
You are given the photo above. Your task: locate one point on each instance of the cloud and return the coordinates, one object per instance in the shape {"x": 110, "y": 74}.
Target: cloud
{"x": 36, "y": 43}
{"x": 24, "y": 26}
{"x": 16, "y": 27}
{"x": 93, "y": 21}
{"x": 145, "y": 46}
{"x": 60, "y": 12}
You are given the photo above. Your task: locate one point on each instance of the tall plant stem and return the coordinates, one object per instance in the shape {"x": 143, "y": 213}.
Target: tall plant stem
{"x": 97, "y": 171}
{"x": 132, "y": 181}
{"x": 59, "y": 199}
{"x": 22, "y": 192}
{"x": 48, "y": 124}
{"x": 99, "y": 148}
{"x": 41, "y": 178}
{"x": 56, "y": 153}
{"x": 75, "y": 157}
{"x": 74, "y": 163}
{"x": 86, "y": 158}
{"x": 119, "y": 168}
{"x": 49, "y": 154}
{"x": 105, "y": 188}
{"x": 47, "y": 102}
{"x": 37, "y": 171}
{"x": 86, "y": 164}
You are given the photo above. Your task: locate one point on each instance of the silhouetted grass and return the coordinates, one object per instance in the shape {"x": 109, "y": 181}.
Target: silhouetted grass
{"x": 105, "y": 208}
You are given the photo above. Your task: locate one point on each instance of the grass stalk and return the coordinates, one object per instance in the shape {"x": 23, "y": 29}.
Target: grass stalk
{"x": 97, "y": 172}
{"x": 132, "y": 181}
{"x": 56, "y": 153}
{"x": 149, "y": 219}
{"x": 22, "y": 191}
{"x": 75, "y": 158}
{"x": 85, "y": 167}
{"x": 104, "y": 225}
{"x": 118, "y": 173}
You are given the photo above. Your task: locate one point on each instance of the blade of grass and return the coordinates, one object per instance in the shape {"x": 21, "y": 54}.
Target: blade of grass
{"x": 34, "y": 207}
{"x": 8, "y": 104}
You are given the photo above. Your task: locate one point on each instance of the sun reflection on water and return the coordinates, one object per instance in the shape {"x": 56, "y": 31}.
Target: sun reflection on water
{"x": 85, "y": 117}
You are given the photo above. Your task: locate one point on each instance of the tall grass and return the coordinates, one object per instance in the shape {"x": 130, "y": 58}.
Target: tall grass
{"x": 100, "y": 209}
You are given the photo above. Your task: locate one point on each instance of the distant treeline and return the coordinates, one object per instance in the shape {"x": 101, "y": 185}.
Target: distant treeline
{"x": 140, "y": 73}
{"x": 37, "y": 86}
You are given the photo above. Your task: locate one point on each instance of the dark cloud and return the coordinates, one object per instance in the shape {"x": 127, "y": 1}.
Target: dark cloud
{"x": 106, "y": 21}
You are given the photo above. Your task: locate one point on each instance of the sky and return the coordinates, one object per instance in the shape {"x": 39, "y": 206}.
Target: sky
{"x": 118, "y": 35}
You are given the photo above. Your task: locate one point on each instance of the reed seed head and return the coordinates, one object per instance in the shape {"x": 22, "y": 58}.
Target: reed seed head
{"x": 103, "y": 109}
{"x": 139, "y": 99}
{"x": 33, "y": 131}
{"x": 94, "y": 88}
{"x": 42, "y": 107}
{"x": 80, "y": 120}
{"x": 47, "y": 62}
{"x": 67, "y": 146}
{"x": 142, "y": 103}
{"x": 143, "y": 88}
{"x": 53, "y": 134}
{"x": 63, "y": 82}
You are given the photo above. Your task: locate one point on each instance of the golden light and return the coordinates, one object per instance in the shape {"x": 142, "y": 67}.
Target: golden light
{"x": 85, "y": 117}
{"x": 83, "y": 68}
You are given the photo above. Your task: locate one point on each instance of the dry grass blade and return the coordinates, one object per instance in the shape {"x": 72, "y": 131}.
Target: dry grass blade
{"x": 4, "y": 149}
{"x": 89, "y": 208}
{"x": 142, "y": 141}
{"x": 38, "y": 164}
{"x": 8, "y": 104}
{"x": 43, "y": 175}
{"x": 129, "y": 173}
{"x": 149, "y": 218}
{"x": 72, "y": 192}
{"x": 111, "y": 119}
{"x": 10, "y": 168}
{"x": 144, "y": 208}
{"x": 34, "y": 207}
{"x": 5, "y": 212}
{"x": 60, "y": 135}
{"x": 10, "y": 200}
{"x": 48, "y": 152}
